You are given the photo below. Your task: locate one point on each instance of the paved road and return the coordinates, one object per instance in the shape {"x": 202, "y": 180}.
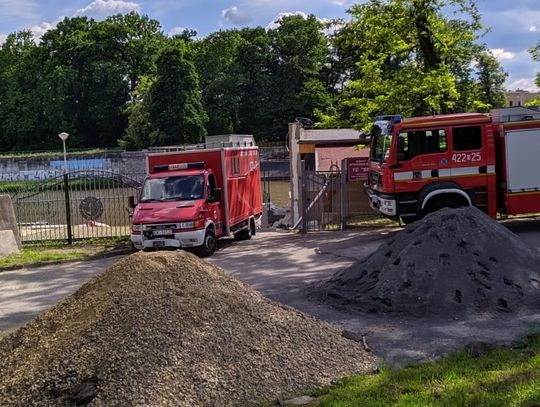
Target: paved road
{"x": 281, "y": 265}
{"x": 25, "y": 293}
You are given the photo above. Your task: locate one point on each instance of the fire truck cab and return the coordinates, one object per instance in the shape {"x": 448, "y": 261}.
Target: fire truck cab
{"x": 422, "y": 164}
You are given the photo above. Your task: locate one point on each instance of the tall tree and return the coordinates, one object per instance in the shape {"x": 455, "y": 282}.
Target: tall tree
{"x": 298, "y": 52}
{"x": 408, "y": 63}
{"x": 491, "y": 79}
{"x": 216, "y": 60}
{"x": 175, "y": 99}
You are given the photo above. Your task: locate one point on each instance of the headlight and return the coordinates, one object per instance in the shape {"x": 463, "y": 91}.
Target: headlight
{"x": 136, "y": 227}
{"x": 185, "y": 225}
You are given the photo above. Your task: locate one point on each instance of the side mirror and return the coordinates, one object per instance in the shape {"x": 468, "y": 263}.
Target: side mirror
{"x": 217, "y": 195}
{"x": 131, "y": 202}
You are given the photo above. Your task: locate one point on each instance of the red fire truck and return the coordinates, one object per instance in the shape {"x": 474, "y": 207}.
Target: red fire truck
{"x": 193, "y": 196}
{"x": 422, "y": 164}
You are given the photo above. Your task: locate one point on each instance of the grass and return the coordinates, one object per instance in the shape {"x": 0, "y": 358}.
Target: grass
{"x": 508, "y": 376}
{"x": 58, "y": 252}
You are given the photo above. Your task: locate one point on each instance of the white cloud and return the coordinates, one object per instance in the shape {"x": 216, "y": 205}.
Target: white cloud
{"x": 102, "y": 8}
{"x": 235, "y": 16}
{"x": 40, "y": 29}
{"x": 501, "y": 54}
{"x": 342, "y": 3}
{"x": 276, "y": 22}
{"x": 533, "y": 29}
{"x": 3, "y": 38}
{"x": 177, "y": 31}
{"x": 523, "y": 83}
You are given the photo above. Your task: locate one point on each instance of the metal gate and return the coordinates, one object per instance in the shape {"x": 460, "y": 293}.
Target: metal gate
{"x": 322, "y": 200}
{"x": 79, "y": 205}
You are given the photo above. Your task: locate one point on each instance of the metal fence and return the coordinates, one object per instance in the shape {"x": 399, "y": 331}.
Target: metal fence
{"x": 81, "y": 204}
{"x": 330, "y": 201}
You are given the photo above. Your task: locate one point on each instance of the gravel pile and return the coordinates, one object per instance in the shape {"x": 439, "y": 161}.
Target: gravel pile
{"x": 168, "y": 329}
{"x": 453, "y": 263}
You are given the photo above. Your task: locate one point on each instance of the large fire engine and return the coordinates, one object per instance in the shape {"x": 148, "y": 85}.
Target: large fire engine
{"x": 492, "y": 161}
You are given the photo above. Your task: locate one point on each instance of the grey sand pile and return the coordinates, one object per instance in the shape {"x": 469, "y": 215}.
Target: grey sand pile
{"x": 453, "y": 263}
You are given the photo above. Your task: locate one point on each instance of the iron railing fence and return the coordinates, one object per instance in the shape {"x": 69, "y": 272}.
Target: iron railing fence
{"x": 80, "y": 204}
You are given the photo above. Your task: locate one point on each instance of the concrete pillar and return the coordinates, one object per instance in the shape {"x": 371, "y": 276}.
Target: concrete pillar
{"x": 10, "y": 241}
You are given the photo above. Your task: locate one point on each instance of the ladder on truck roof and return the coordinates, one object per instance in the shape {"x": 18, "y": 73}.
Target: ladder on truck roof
{"x": 219, "y": 141}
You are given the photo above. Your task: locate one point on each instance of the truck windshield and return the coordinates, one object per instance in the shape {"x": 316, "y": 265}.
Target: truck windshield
{"x": 381, "y": 140}
{"x": 177, "y": 188}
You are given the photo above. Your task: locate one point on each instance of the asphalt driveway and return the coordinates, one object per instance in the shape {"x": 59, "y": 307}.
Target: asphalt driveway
{"x": 282, "y": 265}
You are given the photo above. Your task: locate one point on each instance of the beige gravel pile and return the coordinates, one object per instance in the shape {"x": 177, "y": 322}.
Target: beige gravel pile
{"x": 168, "y": 329}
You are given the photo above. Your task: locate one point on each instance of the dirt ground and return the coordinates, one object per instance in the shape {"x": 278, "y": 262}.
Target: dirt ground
{"x": 281, "y": 265}
{"x": 398, "y": 340}
{"x": 169, "y": 329}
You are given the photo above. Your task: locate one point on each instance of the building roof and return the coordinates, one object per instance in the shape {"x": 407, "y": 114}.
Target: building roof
{"x": 329, "y": 136}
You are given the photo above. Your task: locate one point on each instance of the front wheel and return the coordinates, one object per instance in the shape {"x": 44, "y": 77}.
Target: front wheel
{"x": 209, "y": 245}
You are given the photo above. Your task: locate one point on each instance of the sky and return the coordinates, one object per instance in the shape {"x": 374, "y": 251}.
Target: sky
{"x": 514, "y": 24}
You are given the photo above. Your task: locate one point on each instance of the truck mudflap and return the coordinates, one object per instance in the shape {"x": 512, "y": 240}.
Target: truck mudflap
{"x": 187, "y": 239}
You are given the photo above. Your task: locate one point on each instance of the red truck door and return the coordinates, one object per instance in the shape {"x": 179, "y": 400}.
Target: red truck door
{"x": 213, "y": 207}
{"x": 422, "y": 154}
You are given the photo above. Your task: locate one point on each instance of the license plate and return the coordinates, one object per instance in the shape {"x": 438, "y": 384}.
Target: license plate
{"x": 158, "y": 243}
{"x": 163, "y": 232}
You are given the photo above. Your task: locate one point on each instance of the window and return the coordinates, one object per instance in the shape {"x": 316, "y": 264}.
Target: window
{"x": 467, "y": 138}
{"x": 211, "y": 186}
{"x": 419, "y": 142}
{"x": 236, "y": 166}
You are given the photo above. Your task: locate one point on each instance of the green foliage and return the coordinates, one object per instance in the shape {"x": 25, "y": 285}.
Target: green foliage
{"x": 142, "y": 132}
{"x": 175, "y": 100}
{"x": 535, "y": 53}
{"x": 416, "y": 63}
{"x": 491, "y": 80}
{"x": 505, "y": 377}
{"x": 120, "y": 81}
{"x": 298, "y": 52}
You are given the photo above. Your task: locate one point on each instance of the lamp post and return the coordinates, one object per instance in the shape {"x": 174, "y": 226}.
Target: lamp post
{"x": 63, "y": 136}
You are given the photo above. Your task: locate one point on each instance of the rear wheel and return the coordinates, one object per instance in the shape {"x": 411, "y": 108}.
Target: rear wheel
{"x": 209, "y": 245}
{"x": 244, "y": 234}
{"x": 444, "y": 202}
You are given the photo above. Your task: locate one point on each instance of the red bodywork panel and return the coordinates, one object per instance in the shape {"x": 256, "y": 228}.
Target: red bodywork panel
{"x": 471, "y": 170}
{"x": 237, "y": 173}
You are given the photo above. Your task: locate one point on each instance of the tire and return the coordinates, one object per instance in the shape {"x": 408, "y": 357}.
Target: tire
{"x": 437, "y": 204}
{"x": 244, "y": 234}
{"x": 209, "y": 245}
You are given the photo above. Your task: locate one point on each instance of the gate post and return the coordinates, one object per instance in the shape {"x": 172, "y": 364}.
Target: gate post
{"x": 342, "y": 193}
{"x": 68, "y": 209}
{"x": 304, "y": 198}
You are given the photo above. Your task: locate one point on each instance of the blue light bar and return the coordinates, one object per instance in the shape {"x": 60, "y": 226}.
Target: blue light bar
{"x": 392, "y": 118}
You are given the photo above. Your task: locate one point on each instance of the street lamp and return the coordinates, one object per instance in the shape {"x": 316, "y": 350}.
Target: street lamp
{"x": 63, "y": 136}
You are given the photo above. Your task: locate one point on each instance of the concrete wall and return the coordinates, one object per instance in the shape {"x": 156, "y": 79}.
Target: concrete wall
{"x": 130, "y": 164}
